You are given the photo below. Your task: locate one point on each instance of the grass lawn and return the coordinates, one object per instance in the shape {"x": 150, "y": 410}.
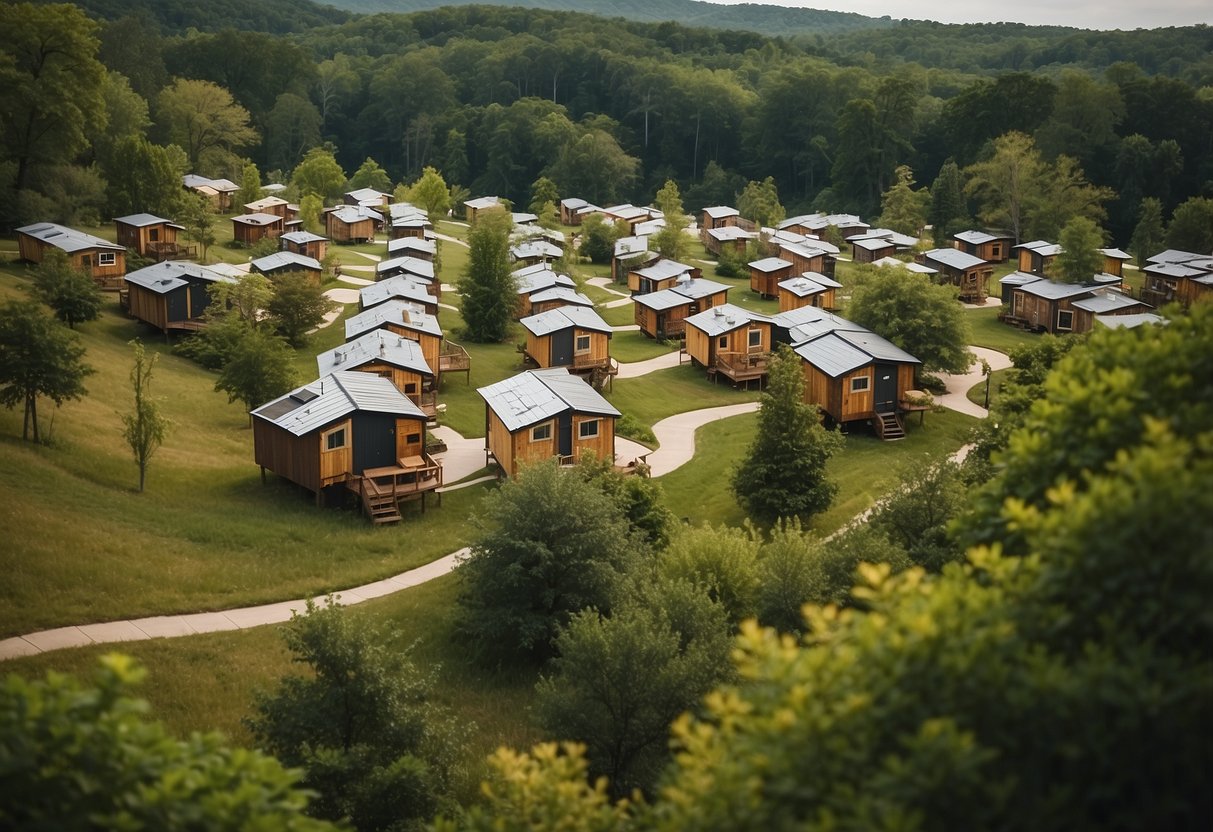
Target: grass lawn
{"x": 624, "y": 315}
{"x": 985, "y": 330}
{"x": 630, "y": 346}
{"x": 651, "y": 398}
{"x": 490, "y": 363}
{"x": 977, "y": 393}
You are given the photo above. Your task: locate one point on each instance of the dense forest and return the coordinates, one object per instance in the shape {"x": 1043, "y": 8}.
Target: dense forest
{"x": 495, "y": 97}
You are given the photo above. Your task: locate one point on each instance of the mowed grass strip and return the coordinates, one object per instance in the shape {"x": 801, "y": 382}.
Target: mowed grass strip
{"x": 985, "y": 330}
{"x": 653, "y": 397}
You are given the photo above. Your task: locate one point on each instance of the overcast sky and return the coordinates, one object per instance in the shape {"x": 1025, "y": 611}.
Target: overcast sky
{"x": 1087, "y": 14}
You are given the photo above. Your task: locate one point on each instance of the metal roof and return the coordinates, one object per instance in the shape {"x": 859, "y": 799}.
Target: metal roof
{"x": 872, "y": 243}
{"x": 832, "y": 355}
{"x": 564, "y": 294}
{"x": 273, "y": 188}
{"x": 731, "y": 232}
{"x": 698, "y": 287}
{"x": 1116, "y": 253}
{"x": 169, "y": 275}
{"x": 257, "y": 219}
{"x": 631, "y": 245}
{"x": 573, "y": 203}
{"x": 801, "y": 286}
{"x": 333, "y": 397}
{"x": 285, "y": 260}
{"x": 67, "y": 239}
{"x": 401, "y": 286}
{"x": 806, "y": 250}
{"x": 537, "y": 395}
{"x": 717, "y": 212}
{"x": 407, "y": 265}
{"x": 259, "y": 205}
{"x": 888, "y": 235}
{"x": 661, "y": 300}
{"x": 770, "y": 264}
{"x": 482, "y": 202}
{"x": 350, "y": 214}
{"x": 1019, "y": 279}
{"x": 725, "y": 318}
{"x": 1172, "y": 270}
{"x": 367, "y": 195}
{"x": 142, "y": 220}
{"x": 563, "y": 317}
{"x": 880, "y": 348}
{"x": 395, "y": 311}
{"x": 917, "y": 268}
{"x": 1105, "y": 302}
{"x": 1130, "y": 321}
{"x": 1052, "y": 290}
{"x": 953, "y": 258}
{"x": 412, "y": 244}
{"x": 535, "y": 248}
{"x": 1042, "y": 247}
{"x": 1174, "y": 255}
{"x": 303, "y": 237}
{"x": 975, "y": 237}
{"x": 650, "y": 227}
{"x": 379, "y": 345}
{"x": 663, "y": 270}
{"x": 533, "y": 280}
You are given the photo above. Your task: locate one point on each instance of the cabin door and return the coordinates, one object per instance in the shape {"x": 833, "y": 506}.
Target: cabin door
{"x": 177, "y": 301}
{"x": 374, "y": 441}
{"x": 886, "y": 388}
{"x": 562, "y": 348}
{"x": 199, "y": 299}
{"x": 565, "y": 428}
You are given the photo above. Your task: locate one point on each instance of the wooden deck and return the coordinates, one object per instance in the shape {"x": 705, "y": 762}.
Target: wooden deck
{"x": 171, "y": 251}
{"x": 382, "y": 490}
{"x": 455, "y": 359}
{"x": 741, "y": 368}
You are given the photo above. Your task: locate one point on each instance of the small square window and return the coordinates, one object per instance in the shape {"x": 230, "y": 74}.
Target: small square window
{"x": 541, "y": 433}
{"x": 755, "y": 336}
{"x": 583, "y": 344}
{"x": 413, "y": 439}
{"x": 588, "y": 429}
{"x": 860, "y": 384}
{"x": 1065, "y": 319}
{"x": 106, "y": 258}
{"x": 722, "y": 342}
{"x": 334, "y": 440}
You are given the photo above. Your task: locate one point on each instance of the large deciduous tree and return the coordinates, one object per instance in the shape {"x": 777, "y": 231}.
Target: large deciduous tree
{"x": 783, "y": 473}
{"x": 370, "y": 174}
{"x": 759, "y": 201}
{"x": 319, "y": 174}
{"x": 490, "y": 297}
{"x": 1080, "y": 258}
{"x": 1191, "y": 227}
{"x": 1006, "y": 184}
{"x": 672, "y": 241}
{"x": 202, "y": 117}
{"x": 38, "y": 358}
{"x": 917, "y": 315}
{"x": 291, "y": 128}
{"x": 146, "y": 177}
{"x": 258, "y": 369}
{"x": 297, "y": 306}
{"x": 72, "y": 294}
{"x": 431, "y": 194}
{"x": 1148, "y": 235}
{"x": 948, "y": 213}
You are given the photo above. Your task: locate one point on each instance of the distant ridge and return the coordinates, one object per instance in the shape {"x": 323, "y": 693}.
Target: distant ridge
{"x": 753, "y": 17}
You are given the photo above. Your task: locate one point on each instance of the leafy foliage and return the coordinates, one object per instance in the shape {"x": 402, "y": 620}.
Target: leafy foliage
{"x": 902, "y": 208}
{"x": 721, "y": 562}
{"x": 145, "y": 428}
{"x": 37, "y": 358}
{"x": 598, "y": 239}
{"x": 258, "y": 369}
{"x": 489, "y": 295}
{"x": 70, "y": 293}
{"x": 671, "y": 241}
{"x": 1191, "y": 227}
{"x": 202, "y": 118}
{"x": 1080, "y": 258}
{"x": 319, "y": 174}
{"x": 431, "y": 194}
{"x": 297, "y": 306}
{"x": 370, "y": 174}
{"x": 759, "y": 201}
{"x": 948, "y": 213}
{"x": 1148, "y": 237}
{"x": 917, "y": 315}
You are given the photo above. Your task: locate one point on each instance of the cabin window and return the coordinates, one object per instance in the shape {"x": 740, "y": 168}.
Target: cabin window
{"x": 106, "y": 258}
{"x": 541, "y": 433}
{"x": 588, "y": 429}
{"x": 334, "y": 440}
{"x": 1065, "y": 319}
{"x": 413, "y": 439}
{"x": 755, "y": 338}
{"x": 153, "y": 234}
{"x": 860, "y": 384}
{"x": 410, "y": 388}
{"x": 583, "y": 344}
{"x": 722, "y": 342}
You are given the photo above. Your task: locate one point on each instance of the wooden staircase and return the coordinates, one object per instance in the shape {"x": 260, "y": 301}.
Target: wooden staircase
{"x": 380, "y": 505}
{"x": 889, "y": 427}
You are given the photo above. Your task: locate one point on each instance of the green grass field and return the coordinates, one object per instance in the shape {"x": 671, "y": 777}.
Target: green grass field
{"x": 985, "y": 330}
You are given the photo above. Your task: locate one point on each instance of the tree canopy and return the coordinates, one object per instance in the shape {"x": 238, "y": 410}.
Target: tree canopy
{"x": 38, "y": 359}
{"x": 917, "y": 315}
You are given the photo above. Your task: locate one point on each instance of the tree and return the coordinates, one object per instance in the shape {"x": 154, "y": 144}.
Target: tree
{"x": 597, "y": 239}
{"x": 84, "y": 756}
{"x": 549, "y": 216}
{"x": 671, "y": 241}
{"x": 259, "y": 369}
{"x": 543, "y": 191}
{"x": 1148, "y": 238}
{"x": 50, "y": 85}
{"x": 244, "y": 299}
{"x": 1191, "y": 227}
{"x": 548, "y": 544}
{"x": 721, "y": 562}
{"x": 618, "y": 682}
{"x": 311, "y": 209}
{"x": 37, "y": 358}
{"x": 197, "y": 216}
{"x": 915, "y": 516}
{"x": 291, "y": 128}
{"x": 759, "y": 201}
{"x": 1007, "y": 184}
{"x": 71, "y": 293}
{"x": 297, "y": 306}
{"x": 595, "y": 166}
{"x": 917, "y": 315}
{"x": 948, "y": 213}
{"x": 783, "y": 472}
{"x": 361, "y": 724}
{"x": 1080, "y": 258}
{"x": 146, "y": 427}
{"x": 202, "y": 118}
{"x": 145, "y": 177}
{"x": 250, "y": 184}
{"x": 903, "y": 209}
{"x": 431, "y": 194}
{"x": 319, "y": 174}
{"x": 489, "y": 295}
{"x": 371, "y": 175}
{"x": 1065, "y": 193}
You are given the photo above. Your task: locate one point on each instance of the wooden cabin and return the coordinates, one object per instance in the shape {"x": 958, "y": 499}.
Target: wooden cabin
{"x": 854, "y": 375}
{"x": 473, "y": 207}
{"x": 630, "y": 253}
{"x": 661, "y": 274}
{"x": 631, "y": 215}
{"x": 172, "y": 295}
{"x": 405, "y": 265}
{"x": 275, "y": 205}
{"x": 808, "y": 289}
{"x": 305, "y": 243}
{"x": 572, "y": 210}
{"x": 968, "y": 273}
{"x": 402, "y": 318}
{"x": 103, "y": 261}
{"x": 1114, "y": 261}
{"x": 414, "y": 226}
{"x": 350, "y": 432}
{"x": 535, "y": 279}
{"x": 152, "y": 237}
{"x": 351, "y": 224}
{"x": 730, "y": 341}
{"x": 554, "y": 298}
{"x": 718, "y": 216}
{"x": 767, "y": 273}
{"x": 391, "y": 356}
{"x": 1036, "y": 257}
{"x": 1177, "y": 277}
{"x": 401, "y": 287}
{"x": 575, "y": 337}
{"x": 806, "y": 257}
{"x": 281, "y": 262}
{"x": 418, "y": 247}
{"x": 815, "y": 225}
{"x": 993, "y": 248}
{"x": 730, "y": 239}
{"x": 251, "y": 229}
{"x": 869, "y": 249}
{"x": 530, "y": 252}
{"x": 367, "y": 197}
{"x": 663, "y": 314}
{"x": 1048, "y": 306}
{"x": 541, "y": 414}
{"x": 220, "y": 192}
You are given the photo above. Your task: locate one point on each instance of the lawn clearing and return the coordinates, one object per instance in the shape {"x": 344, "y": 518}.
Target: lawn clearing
{"x": 630, "y": 346}
{"x": 985, "y": 330}
{"x": 651, "y": 398}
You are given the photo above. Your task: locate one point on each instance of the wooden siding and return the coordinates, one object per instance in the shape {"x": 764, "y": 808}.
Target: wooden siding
{"x": 407, "y": 382}
{"x": 767, "y": 283}
{"x": 252, "y": 234}
{"x": 431, "y": 345}
{"x": 348, "y": 232}
{"x": 299, "y": 458}
{"x": 789, "y": 301}
{"x": 410, "y": 437}
{"x": 834, "y": 396}
{"x": 107, "y": 277}
{"x": 498, "y": 441}
{"x": 316, "y": 249}
{"x": 857, "y": 405}
{"x": 140, "y": 238}
{"x": 514, "y": 451}
{"x": 147, "y": 306}
{"x": 699, "y": 346}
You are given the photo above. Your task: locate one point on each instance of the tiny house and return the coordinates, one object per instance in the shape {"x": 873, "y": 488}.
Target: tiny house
{"x": 571, "y": 210}
{"x": 717, "y": 216}
{"x": 350, "y": 431}
{"x": 281, "y": 262}
{"x": 554, "y": 298}
{"x": 967, "y": 273}
{"x": 400, "y": 287}
{"x": 1177, "y": 276}
{"x": 767, "y": 273}
{"x": 305, "y": 243}
{"x": 152, "y": 237}
{"x": 731, "y": 341}
{"x": 172, "y": 295}
{"x": 993, "y": 248}
{"x": 569, "y": 336}
{"x": 662, "y": 274}
{"x": 730, "y": 239}
{"x": 251, "y": 229}
{"x": 218, "y": 191}
{"x": 1114, "y": 261}
{"x": 367, "y": 197}
{"x": 391, "y": 356}
{"x": 418, "y": 247}
{"x": 275, "y": 205}
{"x": 806, "y": 257}
{"x": 473, "y": 207}
{"x": 530, "y": 252}
{"x": 1036, "y": 257}
{"x": 539, "y": 278}
{"x": 630, "y": 253}
{"x": 663, "y": 314}
{"x": 352, "y": 224}
{"x": 103, "y": 261}
{"x": 541, "y": 414}
{"x": 1057, "y": 308}
{"x": 808, "y": 289}
{"x": 405, "y": 265}
{"x": 402, "y": 318}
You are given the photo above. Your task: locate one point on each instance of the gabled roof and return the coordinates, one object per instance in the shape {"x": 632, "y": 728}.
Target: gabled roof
{"x": 482, "y": 202}
{"x": 627, "y": 211}
{"x": 533, "y": 279}
{"x": 535, "y": 396}
{"x": 398, "y": 312}
{"x": 663, "y": 270}
{"x": 367, "y": 195}
{"x": 350, "y": 214}
{"x": 731, "y": 232}
{"x": 303, "y": 237}
{"x": 193, "y": 180}
{"x": 535, "y": 248}
{"x": 1052, "y": 290}
{"x": 771, "y": 264}
{"x": 257, "y": 219}
{"x": 893, "y": 262}
{"x": 564, "y": 317}
{"x": 406, "y": 264}
{"x": 1116, "y": 254}
{"x": 844, "y": 350}
{"x": 572, "y": 203}
{"x": 378, "y": 345}
{"x": 953, "y": 258}
{"x": 1042, "y": 247}
{"x": 1174, "y": 255}
{"x": 719, "y": 212}
{"x": 725, "y": 318}
{"x": 564, "y": 294}
{"x": 1130, "y": 321}
{"x": 401, "y": 286}
{"x": 273, "y": 188}
{"x": 259, "y": 205}
{"x": 803, "y": 286}
{"x": 67, "y": 239}
{"x": 285, "y": 260}
{"x": 1105, "y": 302}
{"x": 405, "y": 244}
{"x": 333, "y": 397}
{"x": 401, "y": 210}
{"x": 144, "y": 220}
{"x": 172, "y": 274}
{"x": 661, "y": 300}
{"x": 1163, "y": 269}
{"x": 631, "y": 245}
{"x": 894, "y": 237}
{"x": 872, "y": 243}
{"x": 806, "y": 250}
{"x": 699, "y": 287}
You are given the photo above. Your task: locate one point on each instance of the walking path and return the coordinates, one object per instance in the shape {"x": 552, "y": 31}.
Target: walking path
{"x": 676, "y": 435}
{"x": 626, "y": 328}
{"x": 959, "y": 385}
{"x": 450, "y": 239}
{"x": 340, "y": 296}
{"x": 642, "y": 368}
{"x": 356, "y": 281}
{"x": 604, "y": 283}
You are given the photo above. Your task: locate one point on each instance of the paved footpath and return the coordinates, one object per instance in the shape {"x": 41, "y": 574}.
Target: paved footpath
{"x": 676, "y": 435}
{"x": 959, "y": 385}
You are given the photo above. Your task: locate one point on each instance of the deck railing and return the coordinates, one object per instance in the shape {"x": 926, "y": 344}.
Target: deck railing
{"x": 742, "y": 366}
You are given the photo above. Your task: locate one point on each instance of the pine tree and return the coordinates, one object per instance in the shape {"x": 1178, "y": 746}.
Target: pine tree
{"x": 489, "y": 296}
{"x": 1148, "y": 237}
{"x": 671, "y": 242}
{"x": 947, "y": 213}
{"x": 903, "y": 209}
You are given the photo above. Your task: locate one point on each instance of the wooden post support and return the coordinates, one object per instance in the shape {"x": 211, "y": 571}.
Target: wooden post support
{"x": 263, "y": 475}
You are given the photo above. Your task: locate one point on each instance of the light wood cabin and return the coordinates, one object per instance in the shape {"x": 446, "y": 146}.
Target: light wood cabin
{"x": 717, "y": 216}
{"x": 869, "y": 250}
{"x": 350, "y": 224}
{"x": 730, "y": 341}
{"x": 571, "y": 210}
{"x": 305, "y": 243}
{"x": 251, "y": 229}
{"x": 406, "y": 320}
{"x": 1037, "y": 256}
{"x": 350, "y": 430}
{"x": 220, "y": 192}
{"x": 969, "y": 274}
{"x": 545, "y": 300}
{"x": 658, "y": 275}
{"x": 473, "y": 207}
{"x": 575, "y": 421}
{"x": 275, "y": 205}
{"x": 852, "y": 396}
{"x": 663, "y": 314}
{"x": 810, "y": 289}
{"x": 806, "y": 258}
{"x": 391, "y": 356}
{"x": 993, "y": 248}
{"x": 569, "y": 336}
{"x": 1114, "y": 261}
{"x": 368, "y": 197}
{"x": 103, "y": 261}
{"x": 767, "y": 273}
{"x": 153, "y": 237}
{"x": 170, "y": 296}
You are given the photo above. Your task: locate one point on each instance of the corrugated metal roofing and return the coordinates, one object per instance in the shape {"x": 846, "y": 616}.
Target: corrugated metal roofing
{"x": 350, "y": 214}
{"x": 335, "y": 396}
{"x": 770, "y": 264}
{"x": 801, "y": 286}
{"x": 537, "y": 395}
{"x": 661, "y": 300}
{"x": 1103, "y": 303}
{"x": 176, "y": 273}
{"x": 1051, "y": 290}
{"x": 379, "y": 345}
{"x": 724, "y": 318}
{"x": 663, "y": 270}
{"x": 142, "y": 220}
{"x": 953, "y": 258}
{"x": 400, "y": 286}
{"x": 257, "y": 219}
{"x": 564, "y": 317}
{"x": 1130, "y": 321}
{"x": 482, "y": 202}
{"x": 398, "y": 312}
{"x": 718, "y": 212}
{"x": 893, "y": 262}
{"x": 407, "y": 265}
{"x": 563, "y": 294}
{"x": 533, "y": 280}
{"x": 832, "y": 355}
{"x": 1019, "y": 279}
{"x": 285, "y": 260}
{"x": 303, "y": 237}
{"x": 876, "y": 346}
{"x": 699, "y": 287}
{"x": 67, "y": 239}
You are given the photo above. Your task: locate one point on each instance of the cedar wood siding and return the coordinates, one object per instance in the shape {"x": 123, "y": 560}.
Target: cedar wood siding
{"x": 863, "y": 255}
{"x": 300, "y": 458}
{"x": 789, "y": 301}
{"x": 1042, "y": 312}
{"x": 315, "y": 249}
{"x": 406, "y": 381}
{"x": 995, "y": 251}
{"x": 653, "y": 323}
{"x": 767, "y": 283}
{"x": 150, "y": 307}
{"x": 801, "y": 264}
{"x": 646, "y": 319}
{"x": 539, "y": 347}
{"x": 703, "y": 349}
{"x": 1084, "y": 321}
{"x": 107, "y": 277}
{"x": 515, "y": 450}
{"x": 834, "y": 396}
{"x": 140, "y": 238}
{"x": 1033, "y": 263}
{"x": 431, "y": 345}
{"x": 347, "y": 232}
{"x": 253, "y": 234}
{"x": 410, "y": 437}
